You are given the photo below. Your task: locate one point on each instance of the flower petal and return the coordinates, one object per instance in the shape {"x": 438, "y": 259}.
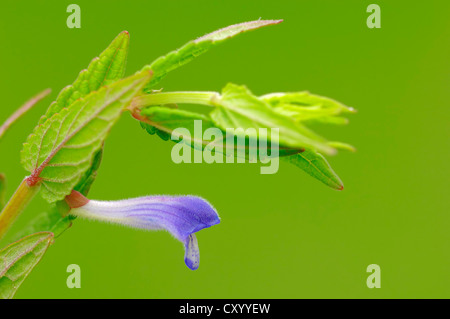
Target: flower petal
{"x": 192, "y": 253}
{"x": 182, "y": 216}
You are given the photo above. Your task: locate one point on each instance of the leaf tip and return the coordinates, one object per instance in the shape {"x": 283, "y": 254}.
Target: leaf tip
{"x": 46, "y": 92}
{"x": 124, "y": 36}
{"x": 277, "y": 21}
{"x": 351, "y": 110}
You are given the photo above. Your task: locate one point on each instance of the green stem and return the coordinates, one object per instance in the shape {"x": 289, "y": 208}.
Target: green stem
{"x": 17, "y": 203}
{"x": 203, "y": 98}
{"x": 2, "y": 190}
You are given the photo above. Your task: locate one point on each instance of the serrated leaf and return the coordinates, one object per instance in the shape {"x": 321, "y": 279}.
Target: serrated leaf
{"x": 18, "y": 259}
{"x": 238, "y": 107}
{"x": 2, "y": 190}
{"x": 61, "y": 150}
{"x": 317, "y": 166}
{"x": 166, "y": 120}
{"x": 107, "y": 68}
{"x": 56, "y": 219}
{"x": 193, "y": 49}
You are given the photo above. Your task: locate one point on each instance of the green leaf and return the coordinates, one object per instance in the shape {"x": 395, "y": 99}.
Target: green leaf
{"x": 61, "y": 225}
{"x": 61, "y": 150}
{"x": 103, "y": 70}
{"x": 86, "y": 181}
{"x": 56, "y": 219}
{"x": 193, "y": 49}
{"x": 167, "y": 119}
{"x": 317, "y": 166}
{"x": 306, "y": 99}
{"x": 162, "y": 119}
{"x": 238, "y": 107}
{"x": 342, "y": 146}
{"x": 335, "y": 120}
{"x": 49, "y": 221}
{"x": 2, "y": 190}
{"x": 18, "y": 259}
{"x": 307, "y": 107}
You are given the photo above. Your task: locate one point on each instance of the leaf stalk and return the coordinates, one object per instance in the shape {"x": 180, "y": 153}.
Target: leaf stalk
{"x": 17, "y": 203}
{"x": 182, "y": 97}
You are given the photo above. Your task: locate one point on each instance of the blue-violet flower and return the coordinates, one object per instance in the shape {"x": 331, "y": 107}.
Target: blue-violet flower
{"x": 182, "y": 216}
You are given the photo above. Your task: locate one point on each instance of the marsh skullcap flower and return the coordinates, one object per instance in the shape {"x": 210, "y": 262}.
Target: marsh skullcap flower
{"x": 182, "y": 216}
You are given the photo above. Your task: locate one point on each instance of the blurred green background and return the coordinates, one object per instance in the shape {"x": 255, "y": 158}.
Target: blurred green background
{"x": 284, "y": 235}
